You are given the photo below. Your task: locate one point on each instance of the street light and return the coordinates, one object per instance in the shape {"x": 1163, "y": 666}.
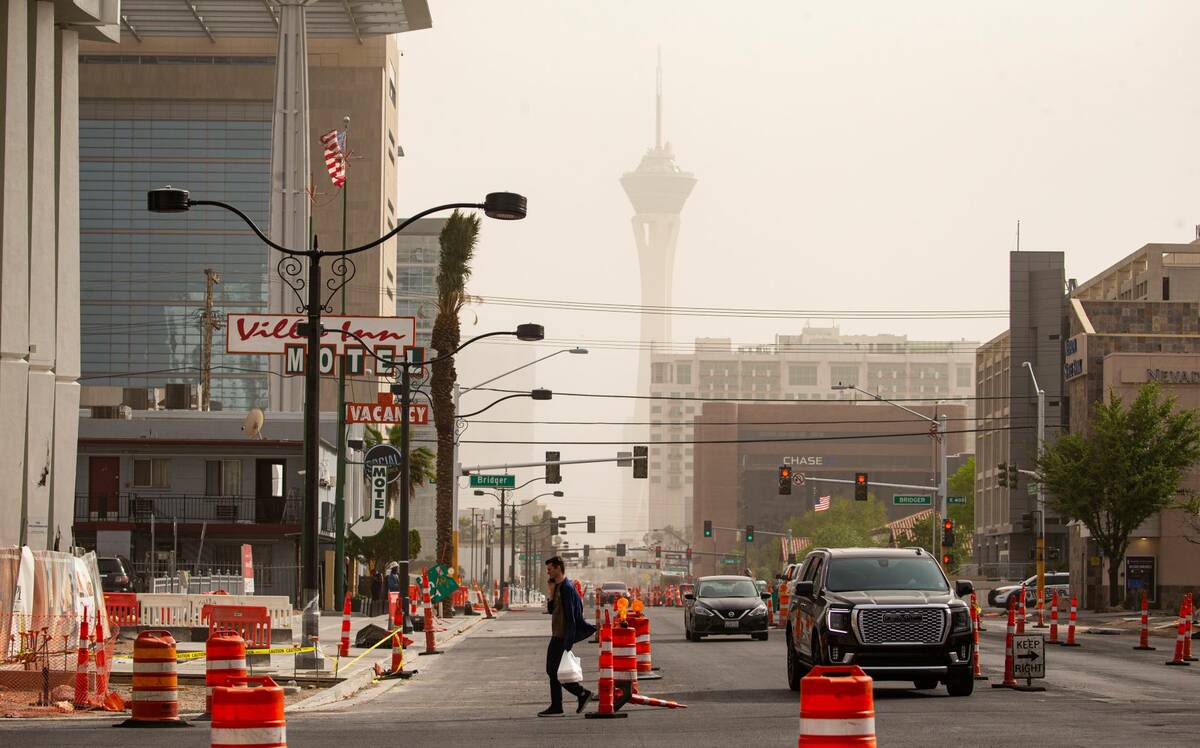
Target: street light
{"x": 504, "y": 206}
{"x": 1040, "y": 558}
{"x": 937, "y": 433}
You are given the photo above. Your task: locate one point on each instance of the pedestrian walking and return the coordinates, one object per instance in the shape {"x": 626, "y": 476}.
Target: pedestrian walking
{"x": 393, "y": 579}
{"x": 567, "y": 627}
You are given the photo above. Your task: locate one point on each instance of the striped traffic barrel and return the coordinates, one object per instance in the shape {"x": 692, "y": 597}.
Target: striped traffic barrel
{"x": 249, "y": 717}
{"x": 641, "y": 628}
{"x": 624, "y": 653}
{"x": 225, "y": 659}
{"x": 837, "y": 708}
{"x": 155, "y": 682}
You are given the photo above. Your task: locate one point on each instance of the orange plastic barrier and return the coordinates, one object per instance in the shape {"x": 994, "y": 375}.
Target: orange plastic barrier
{"x": 252, "y": 622}
{"x": 837, "y": 707}
{"x": 123, "y": 609}
{"x": 249, "y": 717}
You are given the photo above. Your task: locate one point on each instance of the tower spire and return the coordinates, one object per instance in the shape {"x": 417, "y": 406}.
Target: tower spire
{"x": 658, "y": 139}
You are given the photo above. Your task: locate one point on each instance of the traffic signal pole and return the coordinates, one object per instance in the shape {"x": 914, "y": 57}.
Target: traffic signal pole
{"x": 1041, "y": 494}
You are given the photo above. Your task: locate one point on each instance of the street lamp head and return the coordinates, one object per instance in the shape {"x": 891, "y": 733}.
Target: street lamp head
{"x": 577, "y": 350}
{"x": 167, "y": 200}
{"x": 505, "y": 206}
{"x": 479, "y": 493}
{"x": 530, "y": 332}
{"x": 540, "y": 394}
{"x": 558, "y": 494}
{"x": 840, "y": 386}
{"x": 561, "y": 518}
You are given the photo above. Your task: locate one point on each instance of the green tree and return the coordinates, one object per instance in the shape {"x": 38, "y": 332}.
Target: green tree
{"x": 420, "y": 460}
{"x": 846, "y": 524}
{"x": 458, "y": 239}
{"x": 383, "y": 547}
{"x": 1128, "y": 466}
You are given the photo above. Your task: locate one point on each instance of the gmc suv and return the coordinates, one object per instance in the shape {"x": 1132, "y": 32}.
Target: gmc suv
{"x": 891, "y": 611}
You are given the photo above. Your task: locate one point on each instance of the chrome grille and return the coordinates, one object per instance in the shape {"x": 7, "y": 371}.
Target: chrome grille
{"x": 901, "y": 625}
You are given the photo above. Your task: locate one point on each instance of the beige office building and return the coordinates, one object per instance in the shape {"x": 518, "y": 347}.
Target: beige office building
{"x": 793, "y": 367}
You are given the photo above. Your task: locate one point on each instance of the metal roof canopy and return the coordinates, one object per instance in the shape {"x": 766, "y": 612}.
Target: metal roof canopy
{"x": 246, "y": 18}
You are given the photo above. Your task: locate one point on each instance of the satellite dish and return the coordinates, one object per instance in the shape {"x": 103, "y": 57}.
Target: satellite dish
{"x": 253, "y": 424}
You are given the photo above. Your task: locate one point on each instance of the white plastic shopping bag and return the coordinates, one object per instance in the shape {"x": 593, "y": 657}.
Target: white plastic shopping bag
{"x": 569, "y": 669}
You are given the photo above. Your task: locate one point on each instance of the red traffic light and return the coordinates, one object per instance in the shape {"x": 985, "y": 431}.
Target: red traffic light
{"x": 860, "y": 479}
{"x": 948, "y": 524}
{"x": 785, "y": 471}
{"x": 947, "y": 559}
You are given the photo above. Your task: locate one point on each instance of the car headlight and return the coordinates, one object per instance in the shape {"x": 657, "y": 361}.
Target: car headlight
{"x": 703, "y": 611}
{"x": 838, "y": 620}
{"x": 960, "y": 620}
{"x": 761, "y": 610}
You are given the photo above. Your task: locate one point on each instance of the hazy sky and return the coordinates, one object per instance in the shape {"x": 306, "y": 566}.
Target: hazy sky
{"x": 867, "y": 155}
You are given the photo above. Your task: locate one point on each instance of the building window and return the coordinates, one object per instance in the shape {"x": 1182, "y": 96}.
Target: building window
{"x": 683, "y": 374}
{"x": 222, "y": 477}
{"x": 391, "y": 148}
{"x": 843, "y": 374}
{"x": 392, "y": 83}
{"x": 963, "y": 376}
{"x": 659, "y": 373}
{"x": 152, "y": 473}
{"x": 804, "y": 375}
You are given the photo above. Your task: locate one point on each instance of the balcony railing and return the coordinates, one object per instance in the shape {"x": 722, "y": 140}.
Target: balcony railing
{"x": 140, "y": 507}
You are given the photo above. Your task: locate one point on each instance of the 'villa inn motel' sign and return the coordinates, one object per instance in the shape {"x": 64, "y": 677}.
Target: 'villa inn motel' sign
{"x": 276, "y": 335}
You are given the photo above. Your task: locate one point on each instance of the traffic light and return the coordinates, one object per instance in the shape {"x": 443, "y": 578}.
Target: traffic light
{"x": 947, "y": 559}
{"x": 689, "y": 554}
{"x": 591, "y": 523}
{"x": 553, "y": 470}
{"x": 708, "y": 528}
{"x": 658, "y": 551}
{"x": 1002, "y": 478}
{"x": 785, "y": 480}
{"x": 620, "y": 549}
{"x": 1014, "y": 476}
{"x": 749, "y": 533}
{"x": 587, "y": 550}
{"x": 640, "y": 460}
{"x": 1027, "y": 521}
{"x": 948, "y": 533}
{"x": 861, "y": 486}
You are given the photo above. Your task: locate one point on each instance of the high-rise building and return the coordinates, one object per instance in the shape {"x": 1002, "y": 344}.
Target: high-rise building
{"x": 197, "y": 112}
{"x": 794, "y": 367}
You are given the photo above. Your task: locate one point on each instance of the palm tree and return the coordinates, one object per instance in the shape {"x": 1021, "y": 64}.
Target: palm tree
{"x": 420, "y": 460}
{"x": 458, "y": 239}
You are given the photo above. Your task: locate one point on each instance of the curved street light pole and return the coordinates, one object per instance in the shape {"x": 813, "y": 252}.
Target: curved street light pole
{"x": 506, "y": 206}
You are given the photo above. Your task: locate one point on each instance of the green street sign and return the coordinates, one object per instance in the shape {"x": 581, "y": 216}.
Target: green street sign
{"x": 898, "y": 500}
{"x": 731, "y": 560}
{"x": 1032, "y": 488}
{"x": 493, "y": 481}
{"x": 441, "y": 584}
{"x": 956, "y": 499}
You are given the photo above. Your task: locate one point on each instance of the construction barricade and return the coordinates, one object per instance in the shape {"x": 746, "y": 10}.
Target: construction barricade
{"x": 253, "y": 623}
{"x": 224, "y": 661}
{"x": 249, "y": 717}
{"x": 155, "y": 682}
{"x": 837, "y": 707}
{"x": 123, "y": 608}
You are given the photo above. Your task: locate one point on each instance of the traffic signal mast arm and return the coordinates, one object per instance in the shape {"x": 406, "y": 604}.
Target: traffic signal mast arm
{"x": 873, "y": 483}
{"x": 505, "y": 466}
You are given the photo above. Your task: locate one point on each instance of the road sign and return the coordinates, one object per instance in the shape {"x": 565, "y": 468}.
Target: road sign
{"x": 797, "y": 479}
{"x": 1029, "y": 656}
{"x": 383, "y": 456}
{"x": 1032, "y": 488}
{"x": 386, "y": 410}
{"x": 493, "y": 481}
{"x": 956, "y": 499}
{"x": 900, "y": 500}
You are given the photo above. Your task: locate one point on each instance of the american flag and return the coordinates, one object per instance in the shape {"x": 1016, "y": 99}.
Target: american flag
{"x": 335, "y": 156}
{"x": 823, "y": 503}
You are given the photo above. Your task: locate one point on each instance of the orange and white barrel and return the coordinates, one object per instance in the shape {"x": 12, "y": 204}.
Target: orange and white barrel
{"x": 225, "y": 659}
{"x": 155, "y": 682}
{"x": 249, "y": 717}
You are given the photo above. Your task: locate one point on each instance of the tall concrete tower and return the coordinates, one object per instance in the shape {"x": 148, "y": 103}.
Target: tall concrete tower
{"x": 658, "y": 188}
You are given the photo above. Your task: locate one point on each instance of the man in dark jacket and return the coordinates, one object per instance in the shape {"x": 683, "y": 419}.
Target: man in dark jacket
{"x": 567, "y": 626}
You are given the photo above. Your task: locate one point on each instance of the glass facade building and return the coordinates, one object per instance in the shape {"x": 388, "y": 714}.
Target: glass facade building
{"x": 142, "y": 275}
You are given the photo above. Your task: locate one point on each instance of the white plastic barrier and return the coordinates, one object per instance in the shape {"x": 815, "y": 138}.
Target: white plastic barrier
{"x": 166, "y": 609}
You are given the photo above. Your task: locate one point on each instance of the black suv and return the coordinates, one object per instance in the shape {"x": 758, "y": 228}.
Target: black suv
{"x": 891, "y": 611}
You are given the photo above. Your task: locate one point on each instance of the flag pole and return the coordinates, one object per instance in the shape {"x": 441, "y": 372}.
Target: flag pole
{"x": 339, "y": 503}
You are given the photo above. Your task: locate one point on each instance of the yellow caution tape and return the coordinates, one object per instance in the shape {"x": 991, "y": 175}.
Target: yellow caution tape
{"x": 184, "y": 656}
{"x": 279, "y": 650}
{"x": 181, "y": 656}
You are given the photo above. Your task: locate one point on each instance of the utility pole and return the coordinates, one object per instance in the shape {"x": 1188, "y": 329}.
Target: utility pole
{"x": 208, "y": 323}
{"x": 503, "y": 494}
{"x": 1040, "y": 556}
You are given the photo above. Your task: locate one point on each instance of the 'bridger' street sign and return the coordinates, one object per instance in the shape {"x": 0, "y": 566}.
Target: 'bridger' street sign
{"x": 898, "y": 500}
{"x": 493, "y": 481}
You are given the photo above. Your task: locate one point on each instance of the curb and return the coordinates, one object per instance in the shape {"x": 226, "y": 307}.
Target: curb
{"x": 361, "y": 680}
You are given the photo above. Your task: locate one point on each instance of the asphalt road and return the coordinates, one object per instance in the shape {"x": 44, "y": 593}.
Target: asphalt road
{"x": 488, "y": 686}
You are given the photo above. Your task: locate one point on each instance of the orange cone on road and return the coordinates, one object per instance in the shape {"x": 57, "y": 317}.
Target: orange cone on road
{"x": 837, "y": 707}
{"x": 430, "y": 644}
{"x": 978, "y": 674}
{"x": 344, "y": 645}
{"x": 1180, "y": 639}
{"x": 1070, "y": 642}
{"x": 1010, "y": 631}
{"x": 1144, "y": 636}
{"x": 1053, "y": 620}
{"x": 82, "y": 665}
{"x": 1187, "y": 633}
{"x": 1021, "y": 615}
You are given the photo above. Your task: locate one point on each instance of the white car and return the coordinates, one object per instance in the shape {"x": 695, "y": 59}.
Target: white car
{"x": 1056, "y": 581}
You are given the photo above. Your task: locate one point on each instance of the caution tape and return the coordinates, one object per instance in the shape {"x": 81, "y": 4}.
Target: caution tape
{"x": 185, "y": 656}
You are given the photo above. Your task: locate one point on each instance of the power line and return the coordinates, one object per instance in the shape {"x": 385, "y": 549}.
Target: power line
{"x": 697, "y": 398}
